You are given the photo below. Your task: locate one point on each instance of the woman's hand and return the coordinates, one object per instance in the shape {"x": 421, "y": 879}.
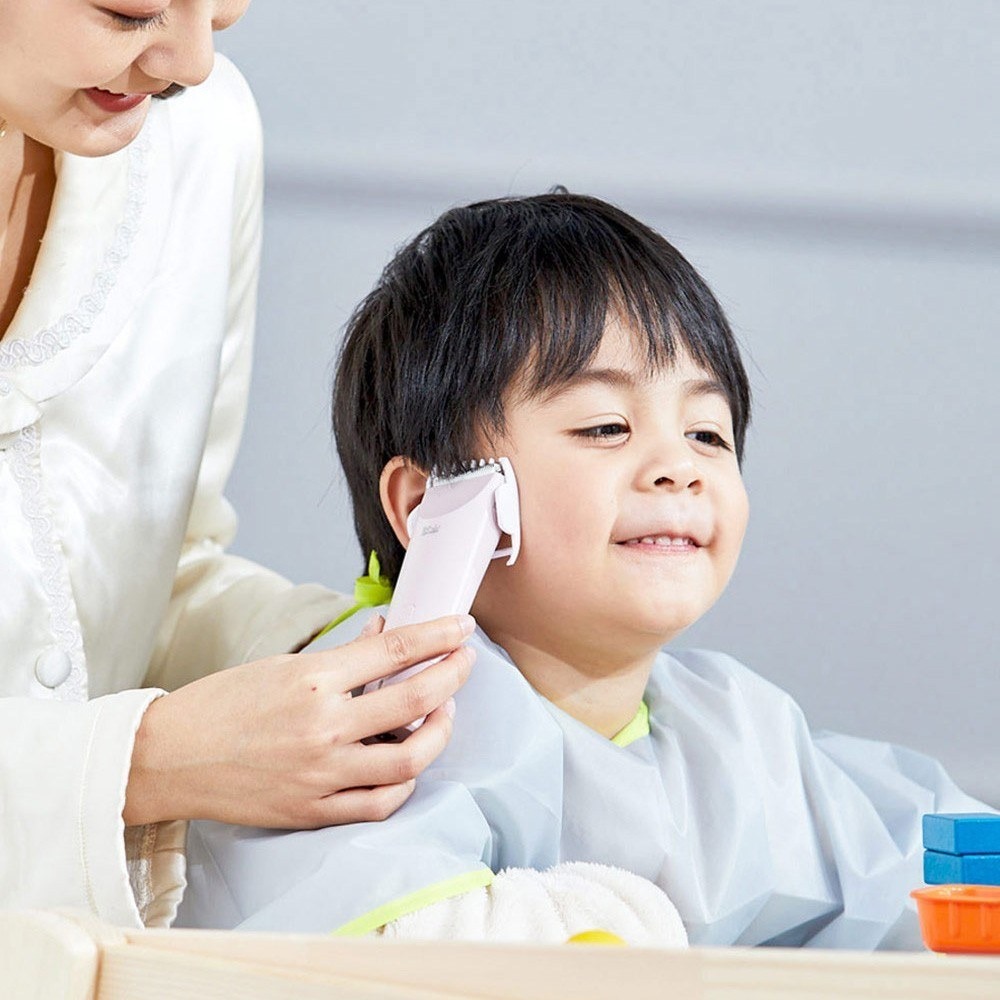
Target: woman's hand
{"x": 277, "y": 742}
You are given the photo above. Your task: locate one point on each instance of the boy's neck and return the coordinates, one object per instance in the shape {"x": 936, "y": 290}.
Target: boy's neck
{"x": 602, "y": 695}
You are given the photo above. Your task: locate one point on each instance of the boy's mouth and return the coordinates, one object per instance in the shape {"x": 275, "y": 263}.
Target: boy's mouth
{"x": 663, "y": 541}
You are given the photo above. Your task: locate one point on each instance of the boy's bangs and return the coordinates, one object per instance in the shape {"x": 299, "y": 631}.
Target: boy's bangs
{"x": 568, "y": 330}
{"x": 573, "y": 304}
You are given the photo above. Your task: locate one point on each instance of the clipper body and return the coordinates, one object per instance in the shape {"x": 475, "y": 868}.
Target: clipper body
{"x": 454, "y": 533}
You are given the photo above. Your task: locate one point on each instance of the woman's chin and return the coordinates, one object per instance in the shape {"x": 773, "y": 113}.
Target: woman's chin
{"x": 100, "y": 138}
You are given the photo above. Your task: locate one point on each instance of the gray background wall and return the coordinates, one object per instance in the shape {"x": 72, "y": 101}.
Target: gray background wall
{"x": 832, "y": 168}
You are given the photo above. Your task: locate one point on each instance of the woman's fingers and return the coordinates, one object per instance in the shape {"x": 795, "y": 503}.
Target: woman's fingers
{"x": 271, "y": 742}
{"x": 391, "y": 769}
{"x": 395, "y": 705}
{"x": 363, "y": 805}
{"x": 374, "y": 656}
{"x": 395, "y": 763}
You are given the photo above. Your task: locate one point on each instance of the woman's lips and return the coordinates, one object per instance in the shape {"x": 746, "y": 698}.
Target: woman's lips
{"x": 115, "y": 103}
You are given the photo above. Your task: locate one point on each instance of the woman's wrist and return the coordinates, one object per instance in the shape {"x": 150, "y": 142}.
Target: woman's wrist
{"x": 146, "y": 794}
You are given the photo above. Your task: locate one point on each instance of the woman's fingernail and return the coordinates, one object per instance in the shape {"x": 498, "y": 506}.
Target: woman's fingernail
{"x": 449, "y": 707}
{"x": 467, "y": 624}
{"x": 373, "y": 626}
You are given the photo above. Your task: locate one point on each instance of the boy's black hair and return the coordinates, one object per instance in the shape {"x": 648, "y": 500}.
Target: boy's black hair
{"x": 516, "y": 287}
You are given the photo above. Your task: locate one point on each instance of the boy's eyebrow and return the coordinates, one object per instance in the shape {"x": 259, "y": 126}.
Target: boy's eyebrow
{"x": 620, "y": 378}
{"x": 705, "y": 387}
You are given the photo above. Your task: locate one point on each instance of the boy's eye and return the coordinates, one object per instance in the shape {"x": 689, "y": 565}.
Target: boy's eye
{"x": 602, "y": 431}
{"x": 711, "y": 438}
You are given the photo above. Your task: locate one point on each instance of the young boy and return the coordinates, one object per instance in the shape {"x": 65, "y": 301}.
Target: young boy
{"x": 561, "y": 333}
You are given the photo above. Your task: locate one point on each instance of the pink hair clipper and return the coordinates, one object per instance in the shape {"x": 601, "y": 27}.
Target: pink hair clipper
{"x": 454, "y": 533}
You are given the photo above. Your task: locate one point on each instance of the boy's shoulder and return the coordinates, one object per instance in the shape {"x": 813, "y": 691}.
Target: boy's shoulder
{"x": 715, "y": 684}
{"x": 714, "y": 669}
{"x": 687, "y": 689}
{"x": 495, "y": 693}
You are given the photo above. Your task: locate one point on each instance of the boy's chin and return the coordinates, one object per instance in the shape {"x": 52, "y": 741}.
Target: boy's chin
{"x": 635, "y": 630}
{"x": 648, "y": 642}
{"x": 654, "y": 627}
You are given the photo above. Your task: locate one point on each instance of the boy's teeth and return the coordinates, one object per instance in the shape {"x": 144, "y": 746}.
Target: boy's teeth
{"x": 663, "y": 540}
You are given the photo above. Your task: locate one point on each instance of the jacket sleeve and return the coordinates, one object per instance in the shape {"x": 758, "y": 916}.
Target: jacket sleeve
{"x": 224, "y": 609}
{"x": 69, "y": 781}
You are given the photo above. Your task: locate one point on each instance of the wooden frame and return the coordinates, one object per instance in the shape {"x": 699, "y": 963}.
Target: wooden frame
{"x": 60, "y": 956}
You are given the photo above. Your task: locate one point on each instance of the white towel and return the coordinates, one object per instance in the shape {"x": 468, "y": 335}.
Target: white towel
{"x": 549, "y": 907}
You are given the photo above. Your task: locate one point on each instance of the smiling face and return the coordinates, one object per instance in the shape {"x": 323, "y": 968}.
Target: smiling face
{"x": 489, "y": 334}
{"x": 633, "y": 511}
{"x": 76, "y": 75}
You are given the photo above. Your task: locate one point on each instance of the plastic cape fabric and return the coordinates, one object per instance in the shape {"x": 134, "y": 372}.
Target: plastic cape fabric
{"x": 477, "y": 809}
{"x": 759, "y": 831}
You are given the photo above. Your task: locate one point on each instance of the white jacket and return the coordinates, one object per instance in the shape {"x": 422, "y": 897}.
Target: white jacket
{"x": 123, "y": 383}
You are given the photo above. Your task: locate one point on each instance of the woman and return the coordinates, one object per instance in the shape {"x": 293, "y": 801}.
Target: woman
{"x": 130, "y": 230}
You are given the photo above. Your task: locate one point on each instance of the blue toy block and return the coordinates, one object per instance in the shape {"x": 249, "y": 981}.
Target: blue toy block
{"x": 962, "y": 833}
{"x": 963, "y": 869}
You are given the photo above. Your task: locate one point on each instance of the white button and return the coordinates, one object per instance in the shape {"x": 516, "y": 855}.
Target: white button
{"x": 53, "y": 666}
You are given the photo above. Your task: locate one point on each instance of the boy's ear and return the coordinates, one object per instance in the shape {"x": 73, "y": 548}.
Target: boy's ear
{"x": 401, "y": 488}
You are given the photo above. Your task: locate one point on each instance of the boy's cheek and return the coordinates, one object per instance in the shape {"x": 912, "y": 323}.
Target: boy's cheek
{"x": 504, "y": 594}
{"x": 735, "y": 512}
{"x": 743, "y": 519}
{"x": 737, "y": 535}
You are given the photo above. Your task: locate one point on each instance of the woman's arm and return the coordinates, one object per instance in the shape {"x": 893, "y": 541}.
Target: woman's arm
{"x": 223, "y": 609}
{"x": 275, "y": 740}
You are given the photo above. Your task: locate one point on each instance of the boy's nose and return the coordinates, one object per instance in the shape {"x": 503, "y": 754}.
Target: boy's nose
{"x": 672, "y": 474}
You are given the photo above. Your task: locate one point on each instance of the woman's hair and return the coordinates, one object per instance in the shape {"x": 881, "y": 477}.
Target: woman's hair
{"x": 172, "y": 91}
{"x": 516, "y": 289}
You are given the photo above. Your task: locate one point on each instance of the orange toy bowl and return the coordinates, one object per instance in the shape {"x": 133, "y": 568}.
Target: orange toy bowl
{"x": 960, "y": 918}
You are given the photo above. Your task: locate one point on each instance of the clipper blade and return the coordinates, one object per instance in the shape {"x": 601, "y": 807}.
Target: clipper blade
{"x": 460, "y": 470}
